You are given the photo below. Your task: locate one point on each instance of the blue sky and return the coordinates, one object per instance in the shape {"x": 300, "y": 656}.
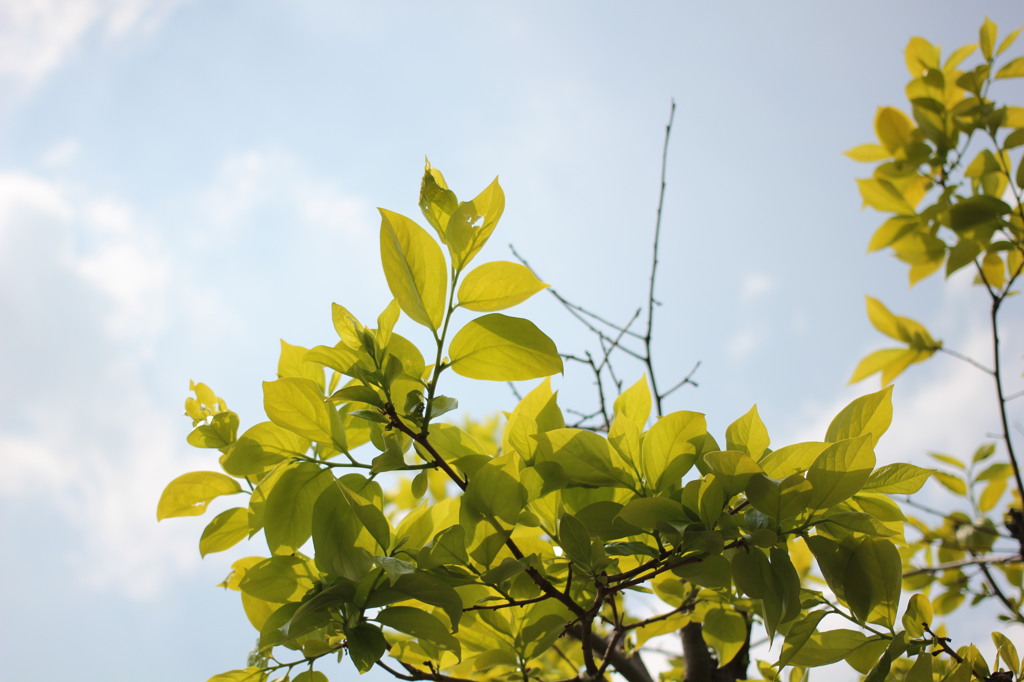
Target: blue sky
{"x": 183, "y": 183}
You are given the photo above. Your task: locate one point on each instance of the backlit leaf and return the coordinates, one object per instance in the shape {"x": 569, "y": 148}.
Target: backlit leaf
{"x": 498, "y": 285}
{"x": 298, "y": 405}
{"x": 869, "y": 414}
{"x": 496, "y": 347}
{"x": 288, "y": 518}
{"x": 903, "y": 479}
{"x": 226, "y": 530}
{"x": 893, "y": 128}
{"x": 725, "y": 631}
{"x": 415, "y": 269}
{"x": 189, "y": 494}
{"x": 366, "y": 645}
{"x": 748, "y": 434}
{"x": 840, "y": 471}
{"x": 419, "y": 624}
{"x": 883, "y": 196}
{"x": 473, "y": 222}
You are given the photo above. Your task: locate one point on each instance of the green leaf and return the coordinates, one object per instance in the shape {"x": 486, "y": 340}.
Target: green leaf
{"x": 987, "y": 35}
{"x": 752, "y": 572}
{"x": 733, "y": 469}
{"x": 336, "y": 536}
{"x": 584, "y": 457}
{"x": 918, "y": 614}
{"x": 262, "y": 447}
{"x": 366, "y": 645}
{"x": 711, "y": 571}
{"x": 648, "y": 512}
{"x": 472, "y": 223}
{"x": 189, "y": 494}
{"x": 840, "y": 471}
{"x": 498, "y": 285}
{"x": 420, "y": 624}
{"x": 903, "y": 479}
{"x": 437, "y": 201}
{"x": 288, "y": 517}
{"x": 748, "y": 434}
{"x": 725, "y": 631}
{"x": 278, "y": 579}
{"x": 635, "y": 402}
{"x": 882, "y": 195}
{"x": 791, "y": 459}
{"x": 893, "y": 128}
{"x": 977, "y": 211}
{"x": 670, "y": 448}
{"x": 298, "y": 405}
{"x": 219, "y": 433}
{"x": 370, "y": 516}
{"x": 950, "y": 482}
{"x": 799, "y": 634}
{"x": 496, "y": 347}
{"x": 432, "y": 590}
{"x": 415, "y": 269}
{"x": 873, "y": 580}
{"x": 225, "y": 531}
{"x": 493, "y": 492}
{"x": 574, "y": 538}
{"x": 1006, "y": 650}
{"x": 868, "y": 152}
{"x": 867, "y": 415}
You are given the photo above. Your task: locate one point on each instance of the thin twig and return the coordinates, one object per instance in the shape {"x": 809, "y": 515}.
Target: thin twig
{"x": 654, "y": 264}
{"x": 976, "y": 561}
{"x": 968, "y": 360}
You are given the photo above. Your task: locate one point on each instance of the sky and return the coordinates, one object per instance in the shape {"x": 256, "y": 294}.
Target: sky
{"x": 184, "y": 183}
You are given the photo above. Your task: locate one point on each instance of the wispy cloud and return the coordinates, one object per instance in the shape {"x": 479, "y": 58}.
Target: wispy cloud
{"x": 37, "y": 36}
{"x": 755, "y": 285}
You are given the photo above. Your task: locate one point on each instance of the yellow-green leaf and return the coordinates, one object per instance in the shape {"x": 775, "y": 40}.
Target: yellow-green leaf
{"x": 725, "y": 631}
{"x": 1007, "y": 41}
{"x": 868, "y": 414}
{"x": 296, "y": 404}
{"x": 883, "y": 196}
{"x": 189, "y": 494}
{"x": 496, "y": 347}
{"x": 472, "y": 224}
{"x": 414, "y": 268}
{"x": 498, "y": 285}
{"x": 437, "y": 201}
{"x": 987, "y": 36}
{"x": 748, "y": 434}
{"x": 225, "y": 531}
{"x": 868, "y": 152}
{"x": 920, "y": 55}
{"x": 894, "y": 128}
{"x": 902, "y": 479}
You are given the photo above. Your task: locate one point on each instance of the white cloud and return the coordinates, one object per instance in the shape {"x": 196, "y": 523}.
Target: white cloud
{"x": 37, "y": 36}
{"x": 756, "y": 285}
{"x": 81, "y": 291}
{"x": 741, "y": 344}
{"x": 61, "y": 154}
{"x": 255, "y": 180}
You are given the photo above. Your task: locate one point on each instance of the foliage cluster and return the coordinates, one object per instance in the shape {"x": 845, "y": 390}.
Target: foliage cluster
{"x": 533, "y": 550}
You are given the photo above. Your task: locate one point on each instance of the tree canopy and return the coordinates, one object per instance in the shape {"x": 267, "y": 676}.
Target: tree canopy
{"x": 539, "y": 547}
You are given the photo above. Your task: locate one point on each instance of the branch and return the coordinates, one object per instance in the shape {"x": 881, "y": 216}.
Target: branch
{"x": 631, "y": 667}
{"x": 654, "y": 263}
{"x": 977, "y": 561}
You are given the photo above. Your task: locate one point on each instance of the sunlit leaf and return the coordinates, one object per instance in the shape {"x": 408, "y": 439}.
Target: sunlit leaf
{"x": 415, "y": 269}
{"x": 496, "y": 347}
{"x": 189, "y": 494}
{"x": 498, "y": 285}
